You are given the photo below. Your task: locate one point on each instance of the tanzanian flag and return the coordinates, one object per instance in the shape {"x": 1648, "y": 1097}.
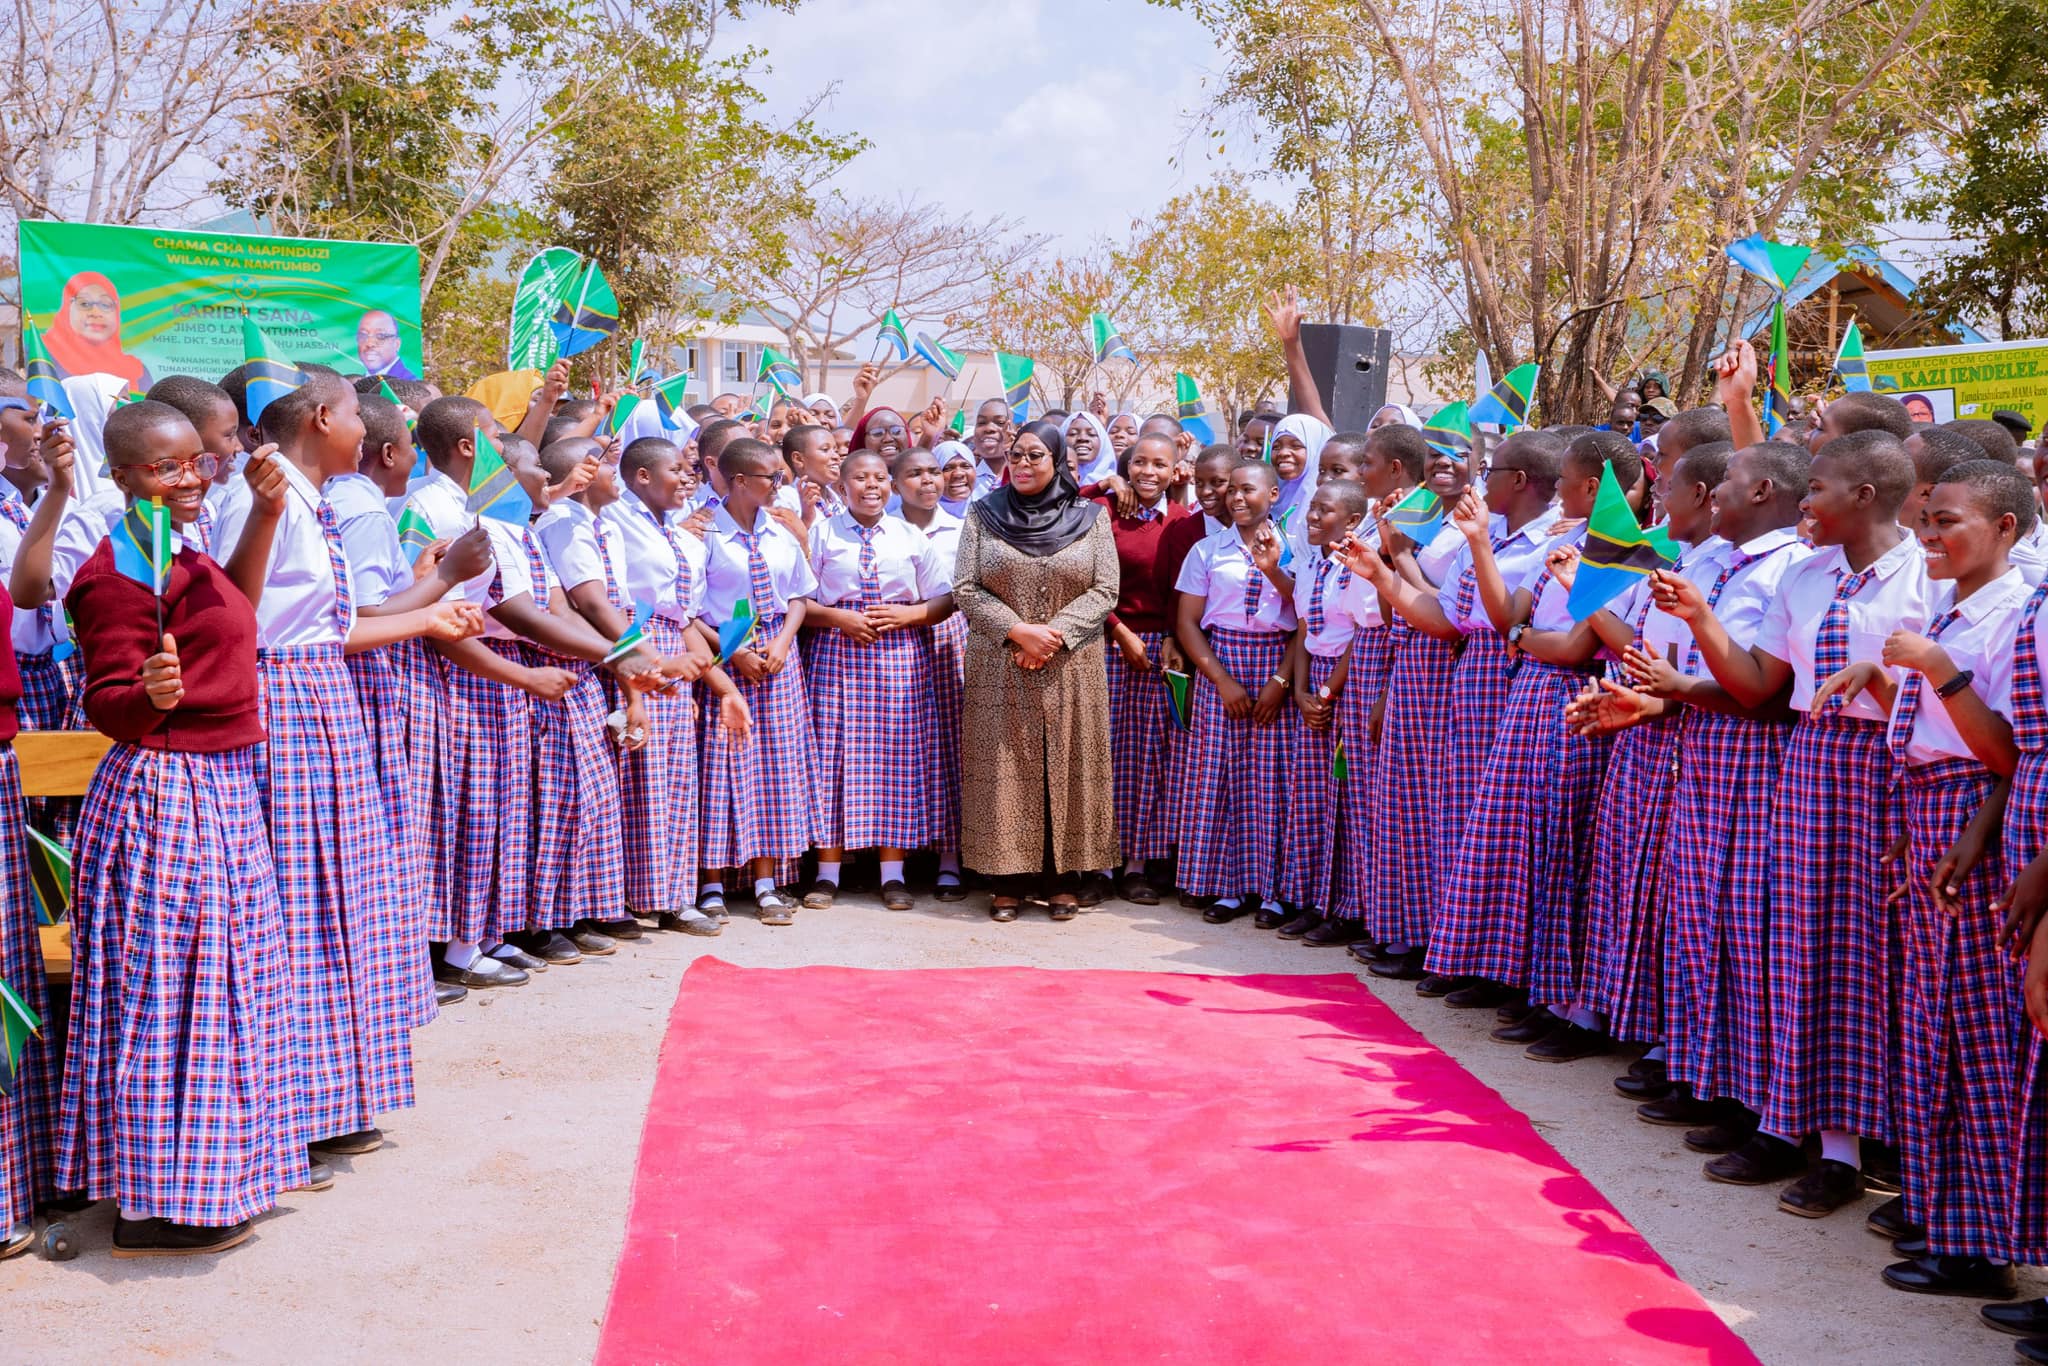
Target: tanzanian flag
{"x": 1506, "y": 405}
{"x": 623, "y": 409}
{"x": 271, "y": 375}
{"x": 636, "y": 634}
{"x": 43, "y": 385}
{"x": 1849, "y": 361}
{"x": 1419, "y": 516}
{"x": 494, "y": 489}
{"x": 958, "y": 426}
{"x": 1618, "y": 553}
{"x": 17, "y": 1023}
{"x": 49, "y": 876}
{"x": 734, "y": 633}
{"x": 779, "y": 372}
{"x": 415, "y": 534}
{"x": 1016, "y": 373}
{"x": 894, "y": 333}
{"x": 587, "y": 314}
{"x": 1177, "y": 696}
{"x": 142, "y": 544}
{"x": 1340, "y": 767}
{"x": 390, "y": 396}
{"x": 634, "y": 356}
{"x": 672, "y": 398}
{"x": 946, "y": 362}
{"x": 1193, "y": 413}
{"x": 1450, "y": 431}
{"x": 1778, "y": 369}
{"x": 1106, "y": 342}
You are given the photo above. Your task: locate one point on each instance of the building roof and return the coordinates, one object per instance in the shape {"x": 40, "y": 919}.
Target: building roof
{"x": 1879, "y": 294}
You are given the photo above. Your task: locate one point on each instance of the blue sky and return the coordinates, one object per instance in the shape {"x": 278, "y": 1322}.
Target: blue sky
{"x": 1063, "y": 114}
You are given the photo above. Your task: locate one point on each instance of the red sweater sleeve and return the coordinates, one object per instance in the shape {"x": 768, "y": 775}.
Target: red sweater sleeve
{"x": 10, "y": 671}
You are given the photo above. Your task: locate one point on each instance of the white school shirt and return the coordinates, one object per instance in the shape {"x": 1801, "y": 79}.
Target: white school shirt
{"x": 1217, "y": 569}
{"x": 987, "y": 480}
{"x": 1552, "y": 612}
{"x": 2030, "y": 554}
{"x": 726, "y": 579}
{"x": 648, "y": 554}
{"x": 1522, "y": 549}
{"x": 81, "y": 529}
{"x": 444, "y": 505}
{"x": 944, "y": 534}
{"x": 1897, "y": 595}
{"x": 830, "y": 504}
{"x": 369, "y": 537}
{"x": 1980, "y": 640}
{"x": 1350, "y": 604}
{"x": 1437, "y": 559}
{"x": 38, "y": 631}
{"x": 574, "y": 543}
{"x": 1664, "y": 635}
{"x": 1764, "y": 562}
{"x": 905, "y": 560}
{"x": 299, "y": 605}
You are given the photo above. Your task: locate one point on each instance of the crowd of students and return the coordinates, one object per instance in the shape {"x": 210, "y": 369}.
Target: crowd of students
{"x": 1779, "y": 814}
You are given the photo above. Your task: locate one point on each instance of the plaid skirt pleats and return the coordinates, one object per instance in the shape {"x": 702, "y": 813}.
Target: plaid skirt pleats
{"x": 1359, "y": 793}
{"x": 28, "y": 1116}
{"x": 484, "y": 821}
{"x": 868, "y": 715}
{"x": 1139, "y": 718}
{"x": 658, "y": 793}
{"x": 358, "y": 961}
{"x": 760, "y": 799}
{"x": 578, "y": 859}
{"x": 1230, "y": 817}
{"x": 1514, "y": 905}
{"x": 948, "y": 645}
{"x": 2026, "y": 1177}
{"x": 1625, "y": 907}
{"x": 1835, "y": 945}
{"x": 1717, "y": 938}
{"x": 180, "y": 1089}
{"x": 383, "y": 684}
{"x": 1961, "y": 1018}
{"x": 1406, "y": 869}
{"x": 48, "y": 687}
{"x": 1312, "y": 843}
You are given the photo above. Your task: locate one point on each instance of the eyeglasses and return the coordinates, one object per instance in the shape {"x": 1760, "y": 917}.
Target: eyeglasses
{"x": 775, "y": 481}
{"x": 172, "y": 471}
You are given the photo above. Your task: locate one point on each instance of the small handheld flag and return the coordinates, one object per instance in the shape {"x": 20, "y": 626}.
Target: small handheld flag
{"x": 958, "y": 426}
{"x": 43, "y": 385}
{"x": 672, "y": 397}
{"x": 636, "y": 634}
{"x": 1618, "y": 553}
{"x": 1266, "y": 451}
{"x": 1849, "y": 363}
{"x": 634, "y": 355}
{"x": 587, "y": 314}
{"x": 1449, "y": 432}
{"x": 1506, "y": 404}
{"x": 271, "y": 376}
{"x": 494, "y": 489}
{"x": 1177, "y": 696}
{"x": 779, "y": 372}
{"x": 1106, "y": 342}
{"x": 142, "y": 544}
{"x": 17, "y": 1024}
{"x": 946, "y": 362}
{"x": 1778, "y": 373}
{"x": 895, "y": 335}
{"x": 623, "y": 409}
{"x": 414, "y": 534}
{"x": 1340, "y": 767}
{"x": 1419, "y": 516}
{"x": 49, "y": 877}
{"x": 390, "y": 396}
{"x": 1194, "y": 414}
{"x": 734, "y": 634}
{"x": 1016, "y": 373}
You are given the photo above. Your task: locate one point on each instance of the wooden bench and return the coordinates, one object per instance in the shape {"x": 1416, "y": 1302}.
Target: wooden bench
{"x": 58, "y": 763}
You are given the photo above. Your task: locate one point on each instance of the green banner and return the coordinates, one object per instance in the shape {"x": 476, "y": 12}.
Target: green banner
{"x": 143, "y": 303}
{"x": 1941, "y": 383}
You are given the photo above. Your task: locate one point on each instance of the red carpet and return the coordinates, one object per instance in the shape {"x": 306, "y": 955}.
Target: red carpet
{"x": 1011, "y": 1165}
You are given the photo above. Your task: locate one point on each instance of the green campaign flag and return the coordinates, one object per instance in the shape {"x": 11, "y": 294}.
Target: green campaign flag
{"x": 1449, "y": 432}
{"x": 587, "y": 314}
{"x": 1193, "y": 413}
{"x": 1618, "y": 553}
{"x": 1177, "y": 684}
{"x": 1105, "y": 342}
{"x": 494, "y": 490}
{"x": 176, "y": 298}
{"x": 49, "y": 877}
{"x": 894, "y": 333}
{"x": 18, "y": 1023}
{"x": 1849, "y": 363}
{"x": 1016, "y": 373}
{"x": 1776, "y": 262}
{"x": 1419, "y": 516}
{"x": 531, "y": 343}
{"x": 390, "y": 395}
{"x": 415, "y": 534}
{"x": 1506, "y": 404}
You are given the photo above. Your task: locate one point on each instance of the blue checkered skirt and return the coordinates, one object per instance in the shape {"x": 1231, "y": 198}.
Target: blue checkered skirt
{"x": 1514, "y": 907}
{"x": 1408, "y": 849}
{"x": 1312, "y": 839}
{"x": 383, "y": 684}
{"x": 179, "y": 1093}
{"x": 1139, "y": 718}
{"x": 1961, "y": 1027}
{"x": 358, "y": 953}
{"x": 868, "y": 714}
{"x": 948, "y": 644}
{"x": 28, "y": 1117}
{"x": 760, "y": 799}
{"x": 484, "y": 820}
{"x": 578, "y": 859}
{"x": 1359, "y": 795}
{"x": 1230, "y": 818}
{"x": 658, "y": 794}
{"x": 1625, "y": 906}
{"x": 1835, "y": 945}
{"x": 2026, "y": 1184}
{"x": 1718, "y": 896}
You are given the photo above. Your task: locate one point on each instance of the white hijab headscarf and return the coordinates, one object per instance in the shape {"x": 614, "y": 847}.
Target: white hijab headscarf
{"x": 946, "y": 452}
{"x": 1290, "y": 511}
{"x": 1103, "y": 463}
{"x": 814, "y": 400}
{"x": 1403, "y": 414}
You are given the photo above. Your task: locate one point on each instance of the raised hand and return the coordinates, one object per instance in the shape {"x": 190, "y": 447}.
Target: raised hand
{"x": 161, "y": 677}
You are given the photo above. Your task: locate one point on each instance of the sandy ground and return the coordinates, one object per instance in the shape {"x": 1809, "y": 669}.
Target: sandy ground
{"x": 486, "y": 1229}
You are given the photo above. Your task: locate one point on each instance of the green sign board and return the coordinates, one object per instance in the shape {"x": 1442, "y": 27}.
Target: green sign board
{"x": 1941, "y": 383}
{"x": 143, "y": 303}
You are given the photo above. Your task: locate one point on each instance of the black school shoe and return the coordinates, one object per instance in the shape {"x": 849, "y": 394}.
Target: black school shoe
{"x": 546, "y": 945}
{"x": 1333, "y": 932}
{"x": 1570, "y": 1044}
{"x": 1761, "y": 1161}
{"x": 448, "y": 993}
{"x": 2026, "y": 1319}
{"x": 1402, "y": 967}
{"x": 1976, "y": 1277}
{"x": 1300, "y": 925}
{"x": 2031, "y": 1349}
{"x": 1479, "y": 994}
{"x": 1537, "y": 1025}
{"x": 162, "y": 1238}
{"x": 590, "y": 940}
{"x": 1272, "y": 916}
{"x": 1825, "y": 1189}
{"x": 1220, "y": 914}
{"x": 1889, "y": 1221}
{"x": 625, "y": 929}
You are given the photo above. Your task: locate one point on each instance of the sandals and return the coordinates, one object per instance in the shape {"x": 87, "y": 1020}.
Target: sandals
{"x": 1002, "y": 907}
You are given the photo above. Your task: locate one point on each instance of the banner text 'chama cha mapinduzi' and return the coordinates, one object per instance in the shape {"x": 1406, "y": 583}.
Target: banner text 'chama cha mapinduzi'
{"x": 143, "y": 303}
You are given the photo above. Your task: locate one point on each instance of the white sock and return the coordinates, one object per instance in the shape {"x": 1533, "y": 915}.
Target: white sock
{"x": 1396, "y": 950}
{"x": 461, "y": 954}
{"x": 1585, "y": 1019}
{"x": 763, "y": 886}
{"x": 949, "y": 864}
{"x": 714, "y": 891}
{"x": 949, "y": 877}
{"x": 1839, "y": 1145}
{"x": 892, "y": 869}
{"x": 1655, "y": 1055}
{"x": 1229, "y": 903}
{"x": 828, "y": 871}
{"x": 691, "y": 913}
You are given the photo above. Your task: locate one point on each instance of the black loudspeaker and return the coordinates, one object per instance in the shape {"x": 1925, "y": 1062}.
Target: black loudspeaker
{"x": 1350, "y": 366}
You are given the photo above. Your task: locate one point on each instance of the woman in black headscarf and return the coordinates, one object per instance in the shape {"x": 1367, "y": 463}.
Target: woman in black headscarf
{"x": 1037, "y": 576}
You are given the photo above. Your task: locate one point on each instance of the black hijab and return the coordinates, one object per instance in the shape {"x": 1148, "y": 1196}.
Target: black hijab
{"x": 1048, "y": 521}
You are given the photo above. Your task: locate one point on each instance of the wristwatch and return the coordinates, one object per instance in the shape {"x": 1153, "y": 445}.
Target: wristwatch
{"x": 1516, "y": 632}
{"x": 1955, "y": 685}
